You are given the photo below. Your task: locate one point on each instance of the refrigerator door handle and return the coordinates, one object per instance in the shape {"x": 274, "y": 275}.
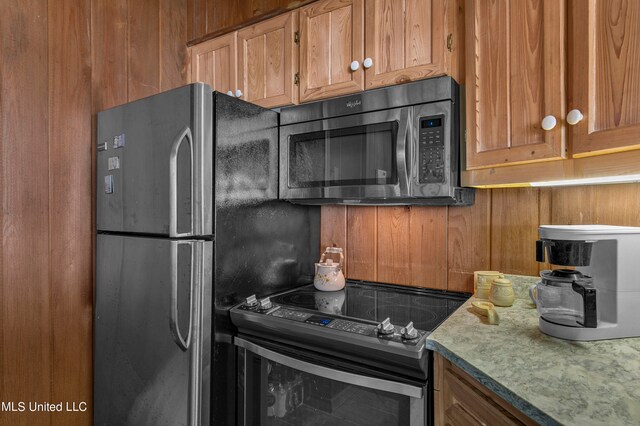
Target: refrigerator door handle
{"x": 174, "y": 322}
{"x": 195, "y": 381}
{"x": 173, "y": 184}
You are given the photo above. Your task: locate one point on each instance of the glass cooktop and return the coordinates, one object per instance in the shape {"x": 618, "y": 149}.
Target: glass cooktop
{"x": 375, "y": 302}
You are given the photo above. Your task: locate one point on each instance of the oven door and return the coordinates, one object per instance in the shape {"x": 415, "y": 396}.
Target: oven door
{"x": 357, "y": 156}
{"x": 277, "y": 389}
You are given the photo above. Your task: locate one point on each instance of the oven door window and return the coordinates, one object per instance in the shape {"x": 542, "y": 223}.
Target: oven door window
{"x": 352, "y": 156}
{"x": 294, "y": 392}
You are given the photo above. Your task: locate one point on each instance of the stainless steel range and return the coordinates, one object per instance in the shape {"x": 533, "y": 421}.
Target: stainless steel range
{"x": 355, "y": 356}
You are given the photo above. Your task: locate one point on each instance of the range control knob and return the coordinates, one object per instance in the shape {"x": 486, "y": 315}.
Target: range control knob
{"x": 251, "y": 301}
{"x": 385, "y": 327}
{"x": 409, "y": 332}
{"x": 265, "y": 304}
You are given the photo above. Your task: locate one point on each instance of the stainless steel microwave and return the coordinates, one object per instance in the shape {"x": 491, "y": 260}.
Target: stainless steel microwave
{"x": 396, "y": 145}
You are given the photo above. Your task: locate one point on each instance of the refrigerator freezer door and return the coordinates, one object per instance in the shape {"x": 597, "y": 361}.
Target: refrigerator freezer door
{"x": 154, "y": 164}
{"x": 152, "y": 331}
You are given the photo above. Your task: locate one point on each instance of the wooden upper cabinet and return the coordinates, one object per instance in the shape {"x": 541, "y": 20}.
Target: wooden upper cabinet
{"x": 268, "y": 61}
{"x": 406, "y": 40}
{"x": 515, "y": 75}
{"x": 214, "y": 62}
{"x": 331, "y": 37}
{"x": 605, "y": 76}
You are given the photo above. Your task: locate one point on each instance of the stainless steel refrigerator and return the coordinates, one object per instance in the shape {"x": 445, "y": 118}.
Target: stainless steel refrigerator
{"x": 188, "y": 223}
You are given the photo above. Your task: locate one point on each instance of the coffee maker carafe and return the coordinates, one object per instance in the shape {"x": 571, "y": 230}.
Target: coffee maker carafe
{"x": 599, "y": 299}
{"x": 567, "y": 297}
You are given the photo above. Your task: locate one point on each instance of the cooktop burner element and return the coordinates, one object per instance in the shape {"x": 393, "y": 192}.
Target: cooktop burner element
{"x": 364, "y": 321}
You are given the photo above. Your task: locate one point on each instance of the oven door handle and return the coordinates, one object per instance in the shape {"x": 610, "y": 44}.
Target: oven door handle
{"x": 332, "y": 374}
{"x": 402, "y": 154}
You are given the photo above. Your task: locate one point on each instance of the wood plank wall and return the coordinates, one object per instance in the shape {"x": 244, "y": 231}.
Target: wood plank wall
{"x": 24, "y": 185}
{"x": 440, "y": 247}
{"x": 62, "y": 61}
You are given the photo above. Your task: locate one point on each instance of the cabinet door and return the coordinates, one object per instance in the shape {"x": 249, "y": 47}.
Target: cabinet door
{"x": 464, "y": 401}
{"x": 606, "y": 76}
{"x": 515, "y": 77}
{"x": 331, "y": 38}
{"x": 405, "y": 39}
{"x": 214, "y": 62}
{"x": 268, "y": 61}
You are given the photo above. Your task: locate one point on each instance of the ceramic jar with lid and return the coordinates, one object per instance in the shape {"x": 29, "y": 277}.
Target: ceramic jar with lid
{"x": 501, "y": 293}
{"x": 482, "y": 283}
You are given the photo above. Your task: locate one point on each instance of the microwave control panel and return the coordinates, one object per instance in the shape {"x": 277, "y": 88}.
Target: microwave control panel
{"x": 431, "y": 150}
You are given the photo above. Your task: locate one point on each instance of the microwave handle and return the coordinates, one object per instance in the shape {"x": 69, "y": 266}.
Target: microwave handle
{"x": 402, "y": 153}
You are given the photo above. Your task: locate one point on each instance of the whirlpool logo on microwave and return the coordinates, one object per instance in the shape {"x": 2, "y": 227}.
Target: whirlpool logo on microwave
{"x": 354, "y": 103}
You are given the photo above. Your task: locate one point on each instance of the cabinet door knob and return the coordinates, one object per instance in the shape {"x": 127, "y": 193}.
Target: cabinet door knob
{"x": 238, "y": 93}
{"x": 367, "y": 63}
{"x": 355, "y": 65}
{"x": 230, "y": 93}
{"x": 549, "y": 122}
{"x": 574, "y": 117}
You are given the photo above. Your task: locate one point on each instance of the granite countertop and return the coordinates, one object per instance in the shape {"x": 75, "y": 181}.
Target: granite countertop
{"x": 553, "y": 381}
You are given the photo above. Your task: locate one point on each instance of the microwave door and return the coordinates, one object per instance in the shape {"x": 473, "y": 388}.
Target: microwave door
{"x": 382, "y": 155}
{"x": 359, "y": 156}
